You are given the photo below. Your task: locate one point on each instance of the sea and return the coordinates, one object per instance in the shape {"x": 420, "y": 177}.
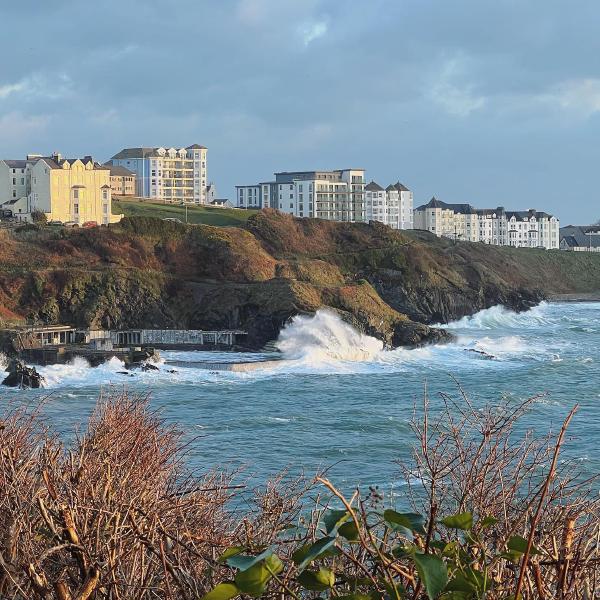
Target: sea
{"x": 338, "y": 400}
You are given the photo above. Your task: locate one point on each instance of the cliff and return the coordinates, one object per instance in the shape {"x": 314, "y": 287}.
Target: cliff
{"x": 153, "y": 273}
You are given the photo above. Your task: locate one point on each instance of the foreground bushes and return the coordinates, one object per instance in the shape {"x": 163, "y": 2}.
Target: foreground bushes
{"x": 117, "y": 515}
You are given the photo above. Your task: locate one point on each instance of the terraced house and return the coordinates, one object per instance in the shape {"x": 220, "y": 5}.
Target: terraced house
{"x": 497, "y": 226}
{"x": 64, "y": 189}
{"x": 167, "y": 174}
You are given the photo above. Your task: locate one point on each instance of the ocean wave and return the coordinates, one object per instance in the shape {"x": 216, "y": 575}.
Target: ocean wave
{"x": 499, "y": 317}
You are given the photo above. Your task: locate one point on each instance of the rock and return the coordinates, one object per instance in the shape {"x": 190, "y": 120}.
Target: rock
{"x": 481, "y": 353}
{"x": 149, "y": 367}
{"x": 413, "y": 334}
{"x": 22, "y": 376}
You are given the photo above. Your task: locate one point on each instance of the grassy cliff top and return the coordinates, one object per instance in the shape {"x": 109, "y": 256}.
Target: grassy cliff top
{"x": 206, "y": 215}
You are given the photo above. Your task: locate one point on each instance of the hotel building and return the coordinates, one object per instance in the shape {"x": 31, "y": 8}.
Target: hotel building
{"x": 167, "y": 174}
{"x": 392, "y": 206}
{"x": 522, "y": 229}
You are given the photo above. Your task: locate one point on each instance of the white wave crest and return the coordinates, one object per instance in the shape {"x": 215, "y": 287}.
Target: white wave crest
{"x": 3, "y": 362}
{"x": 498, "y": 317}
{"x": 324, "y": 337}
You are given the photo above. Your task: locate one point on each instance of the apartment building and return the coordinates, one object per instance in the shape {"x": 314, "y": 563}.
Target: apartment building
{"x": 65, "y": 189}
{"x": 122, "y": 180}
{"x": 523, "y": 229}
{"x": 392, "y": 205}
{"x": 337, "y": 195}
{"x": 167, "y": 174}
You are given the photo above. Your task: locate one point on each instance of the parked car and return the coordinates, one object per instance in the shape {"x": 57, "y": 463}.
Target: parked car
{"x": 90, "y": 224}
{"x": 173, "y": 220}
{"x": 72, "y": 224}
{"x": 55, "y": 223}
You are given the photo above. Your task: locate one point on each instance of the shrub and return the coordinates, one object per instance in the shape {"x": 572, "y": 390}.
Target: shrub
{"x": 39, "y": 217}
{"x": 117, "y": 515}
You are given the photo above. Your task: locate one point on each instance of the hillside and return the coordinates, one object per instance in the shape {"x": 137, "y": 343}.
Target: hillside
{"x": 148, "y": 272}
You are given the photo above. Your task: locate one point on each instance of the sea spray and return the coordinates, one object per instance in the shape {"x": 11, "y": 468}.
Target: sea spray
{"x": 498, "y": 317}
{"x": 3, "y": 362}
{"x": 324, "y": 337}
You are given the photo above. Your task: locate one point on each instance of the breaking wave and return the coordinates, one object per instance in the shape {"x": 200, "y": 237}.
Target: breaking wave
{"x": 498, "y": 317}
{"x": 3, "y": 362}
{"x": 324, "y": 337}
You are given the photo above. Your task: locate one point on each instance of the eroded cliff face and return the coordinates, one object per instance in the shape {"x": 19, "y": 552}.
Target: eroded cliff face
{"x": 152, "y": 273}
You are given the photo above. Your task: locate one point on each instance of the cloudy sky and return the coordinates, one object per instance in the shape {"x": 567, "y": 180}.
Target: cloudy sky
{"x": 487, "y": 102}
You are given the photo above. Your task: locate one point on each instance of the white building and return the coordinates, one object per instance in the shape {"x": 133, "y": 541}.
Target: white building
{"x": 523, "y": 229}
{"x": 332, "y": 195}
{"x": 577, "y": 238}
{"x": 168, "y": 174}
{"x": 392, "y": 206}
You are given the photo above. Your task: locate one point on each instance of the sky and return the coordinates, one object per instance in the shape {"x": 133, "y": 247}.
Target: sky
{"x": 494, "y": 103}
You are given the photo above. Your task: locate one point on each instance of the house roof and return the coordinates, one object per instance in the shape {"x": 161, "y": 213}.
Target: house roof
{"x": 118, "y": 171}
{"x": 577, "y": 236}
{"x": 400, "y": 187}
{"x": 196, "y": 147}
{"x": 16, "y": 164}
{"x": 134, "y": 152}
{"x": 373, "y": 187}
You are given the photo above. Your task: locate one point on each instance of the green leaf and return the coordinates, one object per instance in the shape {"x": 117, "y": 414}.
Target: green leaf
{"x": 317, "y": 581}
{"x": 487, "y": 522}
{"x": 470, "y": 580}
{"x": 313, "y": 552}
{"x": 462, "y": 521}
{"x": 355, "y": 597}
{"x": 253, "y": 581}
{"x": 233, "y": 551}
{"x": 519, "y": 544}
{"x": 223, "y": 591}
{"x": 349, "y": 531}
{"x": 334, "y": 518}
{"x": 432, "y": 572}
{"x": 242, "y": 562}
{"x": 410, "y": 521}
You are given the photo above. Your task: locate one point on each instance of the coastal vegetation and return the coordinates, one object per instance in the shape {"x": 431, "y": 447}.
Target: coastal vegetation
{"x": 115, "y": 513}
{"x": 147, "y": 272}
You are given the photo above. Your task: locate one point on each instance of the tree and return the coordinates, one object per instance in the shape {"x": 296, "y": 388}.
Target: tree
{"x": 39, "y": 217}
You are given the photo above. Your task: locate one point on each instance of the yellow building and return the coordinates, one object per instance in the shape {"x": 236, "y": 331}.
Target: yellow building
{"x": 71, "y": 190}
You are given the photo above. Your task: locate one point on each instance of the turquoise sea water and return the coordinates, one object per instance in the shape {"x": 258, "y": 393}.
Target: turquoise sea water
{"x": 339, "y": 399}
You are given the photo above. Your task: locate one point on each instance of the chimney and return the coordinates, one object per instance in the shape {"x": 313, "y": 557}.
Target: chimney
{"x": 56, "y": 156}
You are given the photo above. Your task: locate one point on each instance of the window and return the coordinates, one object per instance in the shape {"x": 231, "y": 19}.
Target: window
{"x": 76, "y": 194}
{"x": 14, "y": 180}
{"x": 14, "y": 194}
{"x": 76, "y": 209}
{"x": 291, "y": 196}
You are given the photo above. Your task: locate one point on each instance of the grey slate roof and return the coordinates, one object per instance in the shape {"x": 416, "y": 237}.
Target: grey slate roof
{"x": 196, "y": 147}
{"x": 577, "y": 236}
{"x": 400, "y": 187}
{"x": 118, "y": 171}
{"x": 16, "y": 164}
{"x": 373, "y": 187}
{"x": 135, "y": 152}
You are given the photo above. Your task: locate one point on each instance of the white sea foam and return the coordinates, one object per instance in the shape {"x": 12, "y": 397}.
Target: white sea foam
{"x": 498, "y": 317}
{"x": 324, "y": 337}
{"x": 3, "y": 362}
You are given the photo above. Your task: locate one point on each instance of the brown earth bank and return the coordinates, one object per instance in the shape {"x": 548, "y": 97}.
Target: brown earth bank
{"x": 145, "y": 272}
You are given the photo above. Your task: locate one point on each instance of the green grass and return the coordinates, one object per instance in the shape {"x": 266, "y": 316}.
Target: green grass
{"x": 221, "y": 217}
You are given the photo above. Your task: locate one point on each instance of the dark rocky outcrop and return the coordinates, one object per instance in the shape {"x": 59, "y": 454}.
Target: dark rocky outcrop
{"x": 22, "y": 376}
{"x": 390, "y": 284}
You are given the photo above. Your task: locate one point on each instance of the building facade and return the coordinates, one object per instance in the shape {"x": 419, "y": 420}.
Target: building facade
{"x": 521, "y": 229}
{"x": 75, "y": 189}
{"x": 122, "y": 180}
{"x": 392, "y": 206}
{"x": 332, "y": 195}
{"x": 167, "y": 174}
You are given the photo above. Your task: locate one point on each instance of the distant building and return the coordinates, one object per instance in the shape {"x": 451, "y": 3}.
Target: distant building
{"x": 221, "y": 203}
{"x": 65, "y": 189}
{"x": 333, "y": 195}
{"x": 392, "y": 206}
{"x": 580, "y": 238}
{"x": 523, "y": 229}
{"x": 167, "y": 174}
{"x": 122, "y": 180}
